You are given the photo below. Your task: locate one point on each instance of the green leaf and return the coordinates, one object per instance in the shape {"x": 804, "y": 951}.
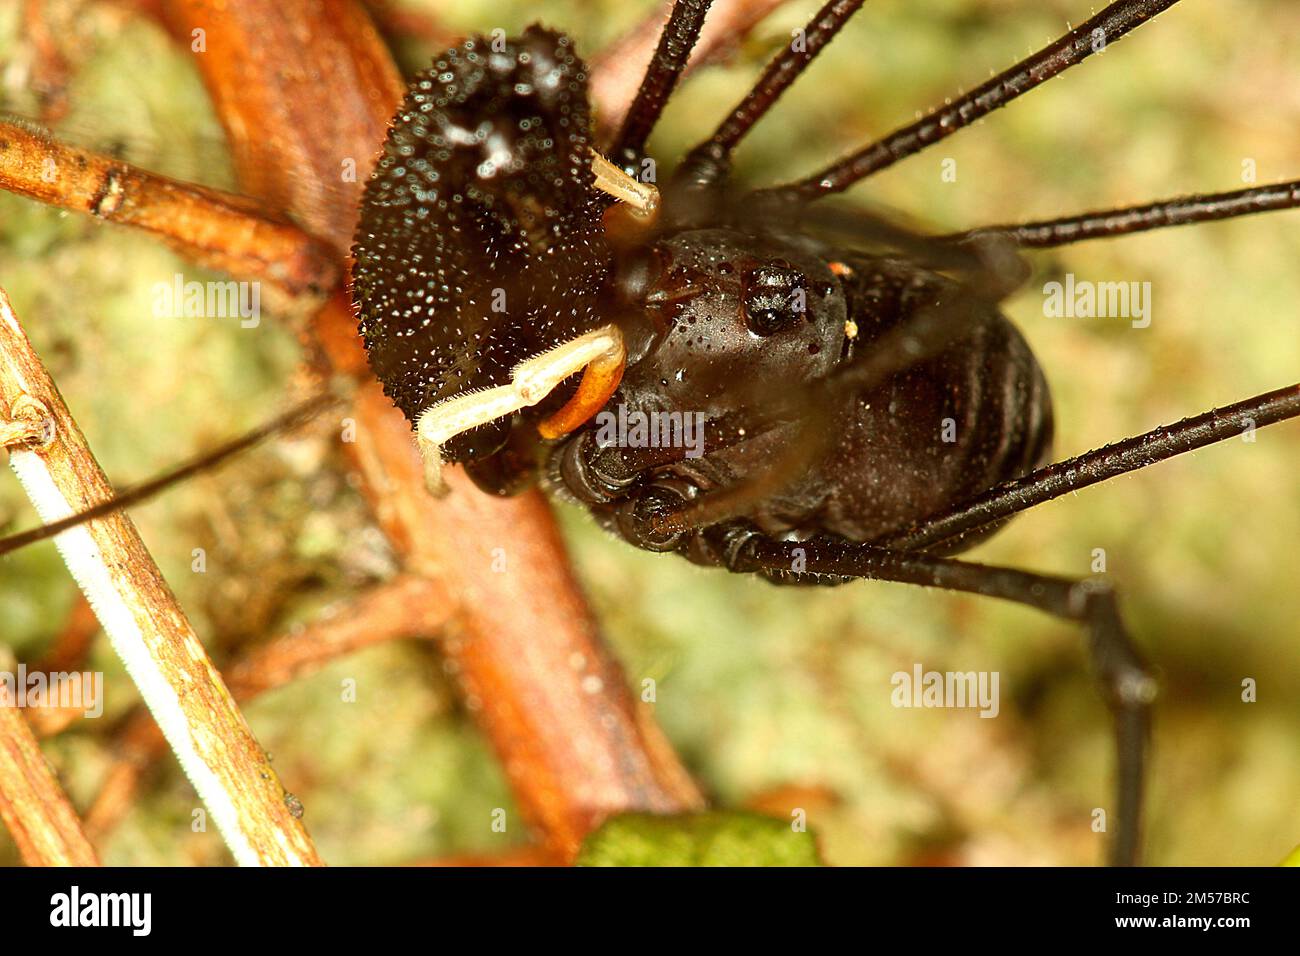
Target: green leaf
{"x": 714, "y": 838}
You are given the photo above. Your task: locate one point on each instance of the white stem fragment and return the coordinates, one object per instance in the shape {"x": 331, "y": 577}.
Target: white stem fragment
{"x": 144, "y": 623}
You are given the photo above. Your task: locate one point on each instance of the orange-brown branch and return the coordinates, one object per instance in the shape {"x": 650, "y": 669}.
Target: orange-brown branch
{"x": 528, "y": 650}
{"x": 407, "y": 606}
{"x": 211, "y": 227}
{"x": 33, "y": 806}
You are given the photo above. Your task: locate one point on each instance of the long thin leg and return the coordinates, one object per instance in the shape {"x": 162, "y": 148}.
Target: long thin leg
{"x": 1127, "y": 684}
{"x": 1075, "y": 47}
{"x": 1107, "y": 223}
{"x": 710, "y": 161}
{"x": 136, "y": 494}
{"x": 1063, "y": 477}
{"x": 675, "y": 45}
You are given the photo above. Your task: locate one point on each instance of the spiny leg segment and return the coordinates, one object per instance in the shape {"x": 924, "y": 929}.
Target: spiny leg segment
{"x": 675, "y": 45}
{"x": 1108, "y": 223}
{"x": 1126, "y": 682}
{"x": 711, "y": 159}
{"x": 1076, "y": 46}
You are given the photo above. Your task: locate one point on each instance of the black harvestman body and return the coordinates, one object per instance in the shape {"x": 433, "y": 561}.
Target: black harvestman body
{"x": 850, "y": 478}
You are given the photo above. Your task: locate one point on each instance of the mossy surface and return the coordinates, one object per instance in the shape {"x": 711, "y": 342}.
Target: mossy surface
{"x": 777, "y": 698}
{"x": 699, "y": 839}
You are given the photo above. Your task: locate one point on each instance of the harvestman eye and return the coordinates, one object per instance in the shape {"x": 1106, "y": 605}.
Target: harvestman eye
{"x": 774, "y": 299}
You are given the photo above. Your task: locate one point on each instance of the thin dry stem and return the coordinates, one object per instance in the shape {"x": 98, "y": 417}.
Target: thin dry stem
{"x": 217, "y": 229}
{"x": 146, "y": 626}
{"x": 65, "y": 657}
{"x": 33, "y": 806}
{"x": 407, "y": 606}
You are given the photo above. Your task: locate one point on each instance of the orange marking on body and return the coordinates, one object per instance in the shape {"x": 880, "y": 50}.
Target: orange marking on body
{"x": 839, "y": 268}
{"x": 599, "y": 382}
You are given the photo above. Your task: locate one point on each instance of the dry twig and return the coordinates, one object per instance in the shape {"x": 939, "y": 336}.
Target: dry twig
{"x": 32, "y": 804}
{"x": 217, "y": 229}
{"x": 407, "y": 606}
{"x": 146, "y": 626}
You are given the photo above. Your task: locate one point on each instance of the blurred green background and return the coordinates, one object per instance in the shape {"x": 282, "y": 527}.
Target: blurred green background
{"x": 772, "y": 696}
